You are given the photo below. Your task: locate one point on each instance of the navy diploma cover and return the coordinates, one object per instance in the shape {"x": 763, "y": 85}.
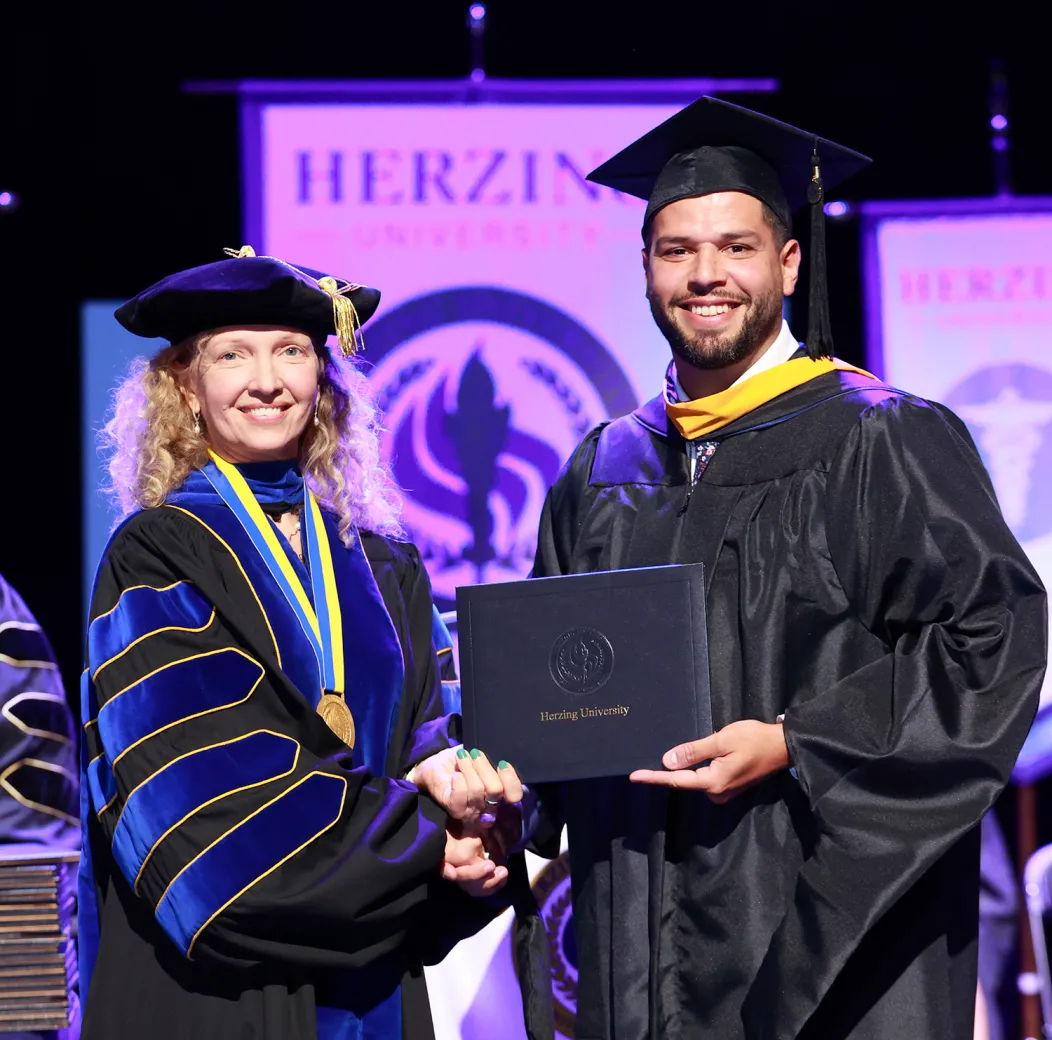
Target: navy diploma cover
{"x": 585, "y": 675}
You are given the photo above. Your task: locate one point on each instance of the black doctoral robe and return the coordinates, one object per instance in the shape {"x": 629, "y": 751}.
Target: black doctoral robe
{"x": 861, "y": 580}
{"x": 240, "y": 868}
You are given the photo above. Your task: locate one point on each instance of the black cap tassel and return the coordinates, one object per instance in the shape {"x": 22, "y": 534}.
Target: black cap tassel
{"x": 819, "y": 329}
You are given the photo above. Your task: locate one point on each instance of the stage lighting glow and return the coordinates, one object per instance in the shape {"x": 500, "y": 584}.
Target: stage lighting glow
{"x": 477, "y": 12}
{"x": 999, "y": 122}
{"x": 999, "y": 144}
{"x": 837, "y": 209}
{"x": 6, "y": 198}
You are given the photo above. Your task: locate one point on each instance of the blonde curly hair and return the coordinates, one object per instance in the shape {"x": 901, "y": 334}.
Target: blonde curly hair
{"x": 153, "y": 444}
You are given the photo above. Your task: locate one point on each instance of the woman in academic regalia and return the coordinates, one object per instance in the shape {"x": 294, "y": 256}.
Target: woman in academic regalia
{"x": 268, "y": 771}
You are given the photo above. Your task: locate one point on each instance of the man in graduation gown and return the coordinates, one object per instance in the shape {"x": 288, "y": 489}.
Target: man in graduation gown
{"x": 876, "y": 641}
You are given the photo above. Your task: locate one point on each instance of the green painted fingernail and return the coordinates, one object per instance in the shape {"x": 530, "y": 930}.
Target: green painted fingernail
{"x": 475, "y": 753}
{"x": 461, "y": 753}
{"x": 503, "y": 765}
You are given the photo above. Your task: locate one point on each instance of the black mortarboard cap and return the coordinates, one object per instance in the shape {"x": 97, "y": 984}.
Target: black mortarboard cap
{"x": 251, "y": 290}
{"x": 711, "y": 146}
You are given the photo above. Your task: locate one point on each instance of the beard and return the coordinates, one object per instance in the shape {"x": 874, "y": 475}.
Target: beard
{"x": 715, "y": 350}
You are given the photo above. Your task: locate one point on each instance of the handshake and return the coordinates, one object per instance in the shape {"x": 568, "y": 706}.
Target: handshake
{"x": 483, "y": 804}
{"x": 483, "y": 815}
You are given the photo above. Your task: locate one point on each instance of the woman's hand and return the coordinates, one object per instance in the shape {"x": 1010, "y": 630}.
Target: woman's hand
{"x": 485, "y": 819}
{"x": 439, "y": 778}
{"x": 738, "y": 756}
{"x": 434, "y": 776}
{"x": 466, "y": 785}
{"x": 501, "y": 793}
{"x": 467, "y": 863}
{"x": 488, "y": 789}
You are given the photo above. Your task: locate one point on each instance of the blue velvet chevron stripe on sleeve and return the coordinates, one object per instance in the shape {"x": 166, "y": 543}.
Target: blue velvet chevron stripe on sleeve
{"x": 101, "y": 784}
{"x": 211, "y": 804}
{"x": 247, "y": 853}
{"x": 188, "y": 784}
{"x": 175, "y": 693}
{"x": 24, "y": 645}
{"x": 141, "y": 612}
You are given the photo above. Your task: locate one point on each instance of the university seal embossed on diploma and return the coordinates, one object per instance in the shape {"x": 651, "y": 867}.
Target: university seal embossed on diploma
{"x": 581, "y": 660}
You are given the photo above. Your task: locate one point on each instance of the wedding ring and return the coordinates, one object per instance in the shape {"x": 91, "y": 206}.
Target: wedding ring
{"x": 491, "y": 801}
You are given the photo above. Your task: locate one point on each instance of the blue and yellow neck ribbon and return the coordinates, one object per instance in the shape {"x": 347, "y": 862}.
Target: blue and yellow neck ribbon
{"x": 322, "y": 621}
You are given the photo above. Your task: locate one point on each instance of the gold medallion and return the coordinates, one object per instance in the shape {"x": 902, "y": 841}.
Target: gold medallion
{"x": 338, "y": 717}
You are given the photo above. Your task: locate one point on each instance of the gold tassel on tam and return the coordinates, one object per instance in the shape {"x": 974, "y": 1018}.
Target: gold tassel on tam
{"x": 348, "y": 327}
{"x": 345, "y": 317}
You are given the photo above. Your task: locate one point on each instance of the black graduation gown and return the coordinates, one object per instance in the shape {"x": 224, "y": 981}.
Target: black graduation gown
{"x": 340, "y": 898}
{"x": 860, "y": 579}
{"x": 38, "y": 760}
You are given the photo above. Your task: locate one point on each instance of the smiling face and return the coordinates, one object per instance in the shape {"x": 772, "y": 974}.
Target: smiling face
{"x": 255, "y": 390}
{"x": 716, "y": 273}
